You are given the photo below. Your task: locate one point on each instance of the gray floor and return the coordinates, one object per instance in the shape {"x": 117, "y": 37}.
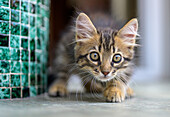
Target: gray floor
{"x": 150, "y": 101}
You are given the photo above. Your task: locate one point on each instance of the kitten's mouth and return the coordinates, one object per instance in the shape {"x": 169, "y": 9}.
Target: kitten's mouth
{"x": 104, "y": 79}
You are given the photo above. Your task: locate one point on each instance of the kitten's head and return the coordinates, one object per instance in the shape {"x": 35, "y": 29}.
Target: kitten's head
{"x": 104, "y": 53}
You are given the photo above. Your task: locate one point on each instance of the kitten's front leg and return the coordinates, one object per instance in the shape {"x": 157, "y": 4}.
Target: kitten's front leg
{"x": 58, "y": 89}
{"x": 115, "y": 91}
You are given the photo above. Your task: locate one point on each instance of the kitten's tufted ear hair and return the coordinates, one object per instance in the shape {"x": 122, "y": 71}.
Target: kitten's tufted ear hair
{"x": 129, "y": 31}
{"x": 84, "y": 27}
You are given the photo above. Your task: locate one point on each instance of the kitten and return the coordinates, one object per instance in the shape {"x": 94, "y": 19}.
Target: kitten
{"x": 100, "y": 53}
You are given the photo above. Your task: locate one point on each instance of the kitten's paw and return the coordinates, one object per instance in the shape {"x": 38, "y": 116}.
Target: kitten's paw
{"x": 129, "y": 93}
{"x": 114, "y": 94}
{"x": 58, "y": 90}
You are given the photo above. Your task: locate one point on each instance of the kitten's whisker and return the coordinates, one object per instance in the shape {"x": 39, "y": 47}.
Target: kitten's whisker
{"x": 73, "y": 68}
{"x": 96, "y": 90}
{"x": 82, "y": 88}
{"x": 84, "y": 84}
{"x": 77, "y": 89}
{"x": 122, "y": 80}
{"x": 81, "y": 73}
{"x": 91, "y": 91}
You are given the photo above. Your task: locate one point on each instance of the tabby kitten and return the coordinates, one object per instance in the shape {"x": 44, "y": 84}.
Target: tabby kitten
{"x": 100, "y": 52}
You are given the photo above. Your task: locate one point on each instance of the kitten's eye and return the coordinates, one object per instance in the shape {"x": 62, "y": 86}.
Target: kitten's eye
{"x": 117, "y": 58}
{"x": 94, "y": 56}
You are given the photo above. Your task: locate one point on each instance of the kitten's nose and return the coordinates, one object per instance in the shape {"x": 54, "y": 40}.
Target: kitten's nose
{"x": 105, "y": 73}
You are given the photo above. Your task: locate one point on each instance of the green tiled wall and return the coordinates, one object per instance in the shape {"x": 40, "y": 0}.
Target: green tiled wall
{"x": 24, "y": 30}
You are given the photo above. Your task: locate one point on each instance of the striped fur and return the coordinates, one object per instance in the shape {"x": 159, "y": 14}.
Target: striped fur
{"x": 103, "y": 40}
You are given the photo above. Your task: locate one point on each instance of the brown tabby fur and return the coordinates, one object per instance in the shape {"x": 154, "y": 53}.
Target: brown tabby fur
{"x": 75, "y": 48}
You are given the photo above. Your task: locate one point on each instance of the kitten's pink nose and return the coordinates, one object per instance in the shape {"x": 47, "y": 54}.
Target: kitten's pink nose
{"x": 105, "y": 73}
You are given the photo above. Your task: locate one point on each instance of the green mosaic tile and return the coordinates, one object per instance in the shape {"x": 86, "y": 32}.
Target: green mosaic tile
{"x": 38, "y": 1}
{"x": 38, "y": 57}
{"x": 32, "y": 67}
{"x": 26, "y": 92}
{"x": 15, "y": 28}
{"x": 4, "y": 40}
{"x": 4, "y": 54}
{"x": 33, "y": 0}
{"x": 33, "y": 91}
{"x": 43, "y": 2}
{"x": 24, "y": 6}
{"x": 24, "y": 18}
{"x": 39, "y": 91}
{"x": 32, "y": 44}
{"x": 38, "y": 68}
{"x": 15, "y": 67}
{"x": 15, "y": 41}
{"x": 47, "y": 25}
{"x": 32, "y": 80}
{"x": 39, "y": 79}
{"x": 38, "y": 32}
{"x": 4, "y": 28}
{"x": 15, "y": 15}
{"x": 4, "y": 67}
{"x": 44, "y": 68}
{"x": 44, "y": 12}
{"x": 4, "y": 80}
{"x": 42, "y": 33}
{"x": 38, "y": 9}
{"x": 15, "y": 81}
{"x": 44, "y": 59}
{"x": 32, "y": 20}
{"x": 25, "y": 80}
{"x": 4, "y": 14}
{"x": 15, "y": 4}
{"x": 16, "y": 92}
{"x": 24, "y": 30}
{"x": 32, "y": 32}
{"x": 46, "y": 2}
{"x": 15, "y": 54}
{"x": 32, "y": 55}
{"x": 24, "y": 55}
{"x": 44, "y": 80}
{"x": 38, "y": 44}
{"x": 32, "y": 8}
{"x": 4, "y": 3}
{"x": 24, "y": 43}
{"x": 38, "y": 21}
{"x": 4, "y": 93}
{"x": 25, "y": 67}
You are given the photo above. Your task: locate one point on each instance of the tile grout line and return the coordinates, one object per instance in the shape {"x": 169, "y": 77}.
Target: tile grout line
{"x": 29, "y": 76}
{"x": 36, "y": 76}
{"x": 9, "y": 46}
{"x": 20, "y": 51}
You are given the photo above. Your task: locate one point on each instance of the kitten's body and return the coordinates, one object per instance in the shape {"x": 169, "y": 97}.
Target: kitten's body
{"x": 92, "y": 51}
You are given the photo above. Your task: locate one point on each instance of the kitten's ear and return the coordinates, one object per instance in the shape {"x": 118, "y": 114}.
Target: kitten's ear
{"x": 84, "y": 27}
{"x": 129, "y": 31}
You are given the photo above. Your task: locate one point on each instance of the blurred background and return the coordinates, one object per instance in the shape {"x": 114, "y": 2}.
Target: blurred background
{"x": 153, "y": 57}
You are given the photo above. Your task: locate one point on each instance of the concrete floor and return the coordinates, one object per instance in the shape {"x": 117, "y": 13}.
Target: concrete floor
{"x": 150, "y": 101}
